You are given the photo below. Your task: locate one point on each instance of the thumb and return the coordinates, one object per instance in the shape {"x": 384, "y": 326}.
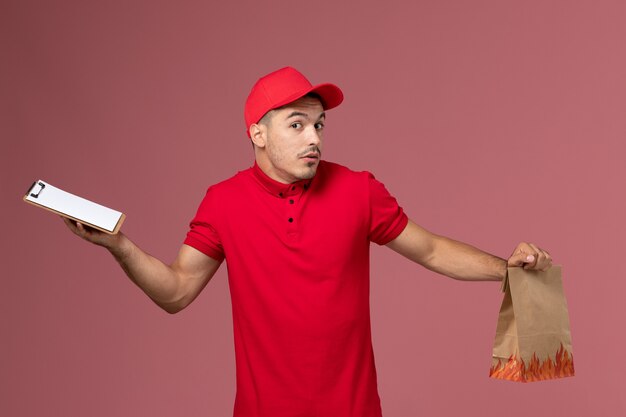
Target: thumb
{"x": 520, "y": 259}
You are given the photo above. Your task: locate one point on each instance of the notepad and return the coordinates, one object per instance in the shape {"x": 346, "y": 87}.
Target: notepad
{"x": 46, "y": 196}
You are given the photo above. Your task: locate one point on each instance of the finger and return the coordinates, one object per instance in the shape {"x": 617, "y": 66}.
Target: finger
{"x": 543, "y": 258}
{"x": 532, "y": 250}
{"x": 544, "y": 261}
{"x": 523, "y": 247}
{"x": 70, "y": 224}
{"x": 82, "y": 230}
{"x": 539, "y": 252}
{"x": 548, "y": 261}
{"x": 521, "y": 259}
{"x": 76, "y": 227}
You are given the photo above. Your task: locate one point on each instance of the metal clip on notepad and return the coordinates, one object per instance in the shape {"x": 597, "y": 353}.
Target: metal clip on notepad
{"x": 33, "y": 186}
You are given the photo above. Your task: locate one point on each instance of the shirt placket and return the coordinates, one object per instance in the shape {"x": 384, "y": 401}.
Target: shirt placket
{"x": 291, "y": 198}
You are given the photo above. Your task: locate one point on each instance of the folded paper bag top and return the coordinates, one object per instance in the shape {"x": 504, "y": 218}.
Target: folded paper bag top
{"x": 533, "y": 340}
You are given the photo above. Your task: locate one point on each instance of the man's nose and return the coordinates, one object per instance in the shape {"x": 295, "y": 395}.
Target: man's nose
{"x": 313, "y": 136}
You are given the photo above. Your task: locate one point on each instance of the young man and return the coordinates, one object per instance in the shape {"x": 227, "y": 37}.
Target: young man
{"x": 295, "y": 231}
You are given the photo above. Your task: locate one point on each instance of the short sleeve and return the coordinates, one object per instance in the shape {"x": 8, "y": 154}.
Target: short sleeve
{"x": 202, "y": 234}
{"x": 387, "y": 219}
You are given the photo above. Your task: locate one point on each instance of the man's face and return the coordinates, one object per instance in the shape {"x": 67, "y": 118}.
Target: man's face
{"x": 293, "y": 140}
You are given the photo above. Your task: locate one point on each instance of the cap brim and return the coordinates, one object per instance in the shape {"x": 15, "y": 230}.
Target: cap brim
{"x": 331, "y": 95}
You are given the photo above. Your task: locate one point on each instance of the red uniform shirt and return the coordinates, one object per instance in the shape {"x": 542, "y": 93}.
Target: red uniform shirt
{"x": 298, "y": 271}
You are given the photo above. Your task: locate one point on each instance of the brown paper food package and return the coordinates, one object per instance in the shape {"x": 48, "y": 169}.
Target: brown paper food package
{"x": 533, "y": 340}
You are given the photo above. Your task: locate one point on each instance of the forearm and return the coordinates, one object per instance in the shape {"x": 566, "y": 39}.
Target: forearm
{"x": 447, "y": 256}
{"x": 172, "y": 287}
{"x": 464, "y": 262}
{"x": 158, "y": 280}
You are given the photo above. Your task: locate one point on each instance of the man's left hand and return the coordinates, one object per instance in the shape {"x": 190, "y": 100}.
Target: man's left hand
{"x": 529, "y": 256}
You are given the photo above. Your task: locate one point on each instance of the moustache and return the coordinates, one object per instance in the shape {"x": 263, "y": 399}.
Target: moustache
{"x": 310, "y": 150}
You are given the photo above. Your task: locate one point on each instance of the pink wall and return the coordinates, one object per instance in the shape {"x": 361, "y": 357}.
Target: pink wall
{"x": 491, "y": 121}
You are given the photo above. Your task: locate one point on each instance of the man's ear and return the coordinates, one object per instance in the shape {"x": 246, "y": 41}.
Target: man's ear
{"x": 258, "y": 134}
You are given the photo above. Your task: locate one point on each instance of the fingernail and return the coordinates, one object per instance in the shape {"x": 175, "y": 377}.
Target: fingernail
{"x": 530, "y": 258}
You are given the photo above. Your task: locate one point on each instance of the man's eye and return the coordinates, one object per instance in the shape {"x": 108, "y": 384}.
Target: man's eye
{"x": 296, "y": 125}
{"x": 319, "y": 126}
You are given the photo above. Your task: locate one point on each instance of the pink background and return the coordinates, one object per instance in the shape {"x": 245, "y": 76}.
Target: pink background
{"x": 491, "y": 121}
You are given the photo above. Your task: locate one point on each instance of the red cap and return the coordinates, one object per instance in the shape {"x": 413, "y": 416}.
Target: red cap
{"x": 282, "y": 87}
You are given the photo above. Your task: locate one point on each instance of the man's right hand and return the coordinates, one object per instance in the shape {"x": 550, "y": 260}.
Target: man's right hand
{"x": 93, "y": 235}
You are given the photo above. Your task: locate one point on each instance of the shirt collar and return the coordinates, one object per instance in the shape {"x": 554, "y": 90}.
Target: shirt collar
{"x": 276, "y": 188}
